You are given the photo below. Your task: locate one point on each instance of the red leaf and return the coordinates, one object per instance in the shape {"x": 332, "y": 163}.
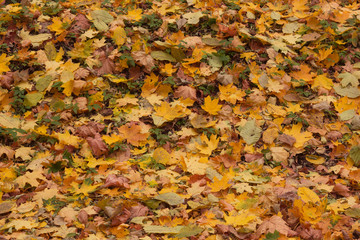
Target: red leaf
{"x": 97, "y": 145}
{"x": 113, "y": 181}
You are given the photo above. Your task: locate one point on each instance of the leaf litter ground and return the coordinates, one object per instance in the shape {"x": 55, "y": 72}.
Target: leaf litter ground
{"x": 179, "y": 120}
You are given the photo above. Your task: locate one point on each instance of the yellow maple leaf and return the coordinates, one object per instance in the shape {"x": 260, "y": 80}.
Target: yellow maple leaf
{"x": 68, "y": 88}
{"x": 211, "y": 106}
{"x": 68, "y": 139}
{"x": 111, "y": 139}
{"x": 324, "y": 53}
{"x": 4, "y": 63}
{"x": 58, "y": 26}
{"x": 301, "y": 137}
{"x": 241, "y": 219}
{"x": 208, "y": 145}
{"x": 231, "y": 93}
{"x": 161, "y": 156}
{"x": 307, "y": 195}
{"x": 134, "y": 15}
{"x": 322, "y": 81}
{"x": 169, "y": 113}
{"x": 218, "y": 185}
{"x": 84, "y": 189}
{"x": 168, "y": 69}
{"x": 119, "y": 36}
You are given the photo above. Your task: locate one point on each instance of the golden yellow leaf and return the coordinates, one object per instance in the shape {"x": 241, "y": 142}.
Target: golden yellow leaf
{"x": 5, "y": 62}
{"x": 161, "y": 155}
{"x": 84, "y": 188}
{"x": 111, "y": 139}
{"x": 218, "y": 185}
{"x": 301, "y": 137}
{"x": 134, "y": 15}
{"x": 208, "y": 145}
{"x": 324, "y": 53}
{"x": 240, "y": 219}
{"x": 170, "y": 112}
{"x": 211, "y": 106}
{"x": 307, "y": 195}
{"x": 119, "y": 36}
{"x": 68, "y": 139}
{"x": 315, "y": 159}
{"x": 322, "y": 81}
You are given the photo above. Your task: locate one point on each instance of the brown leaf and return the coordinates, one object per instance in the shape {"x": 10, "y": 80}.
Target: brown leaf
{"x": 309, "y": 233}
{"x": 341, "y": 189}
{"x": 83, "y": 216}
{"x": 97, "y": 145}
{"x": 144, "y": 59}
{"x": 185, "y": 92}
{"x": 8, "y": 151}
{"x": 89, "y": 130}
{"x": 81, "y": 73}
{"x": 107, "y": 64}
{"x": 113, "y": 181}
{"x": 81, "y": 103}
{"x": 287, "y": 139}
{"x": 275, "y": 223}
{"x": 81, "y": 23}
{"x": 6, "y": 80}
{"x": 139, "y": 210}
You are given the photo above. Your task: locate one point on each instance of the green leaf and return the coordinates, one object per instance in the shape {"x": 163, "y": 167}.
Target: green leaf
{"x": 347, "y": 115}
{"x": 250, "y": 132}
{"x": 101, "y": 19}
{"x": 162, "y": 56}
{"x": 348, "y": 78}
{"x": 353, "y": 212}
{"x": 178, "y": 54}
{"x": 350, "y": 92}
{"x": 355, "y": 155}
{"x": 212, "y": 41}
{"x": 170, "y": 198}
{"x": 162, "y": 229}
{"x": 32, "y": 99}
{"x": 43, "y": 83}
{"x": 272, "y": 236}
{"x": 189, "y": 231}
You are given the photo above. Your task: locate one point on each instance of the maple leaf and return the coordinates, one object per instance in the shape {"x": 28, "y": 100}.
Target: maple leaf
{"x": 133, "y": 134}
{"x": 220, "y": 184}
{"x": 301, "y": 138}
{"x": 275, "y": 223}
{"x": 97, "y": 145}
{"x": 211, "y": 106}
{"x": 5, "y": 62}
{"x": 119, "y": 36}
{"x": 115, "y": 181}
{"x": 84, "y": 188}
{"x": 144, "y": 59}
{"x": 240, "y": 219}
{"x": 170, "y": 112}
{"x": 68, "y": 139}
{"x": 208, "y": 145}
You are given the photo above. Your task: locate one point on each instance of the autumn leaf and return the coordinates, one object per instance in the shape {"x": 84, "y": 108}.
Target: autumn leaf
{"x": 133, "y": 134}
{"x": 211, "y": 106}
{"x": 4, "y": 62}
{"x": 119, "y": 36}
{"x": 208, "y": 145}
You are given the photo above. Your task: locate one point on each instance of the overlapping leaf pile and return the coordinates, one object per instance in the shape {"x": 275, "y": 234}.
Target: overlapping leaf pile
{"x": 180, "y": 119}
